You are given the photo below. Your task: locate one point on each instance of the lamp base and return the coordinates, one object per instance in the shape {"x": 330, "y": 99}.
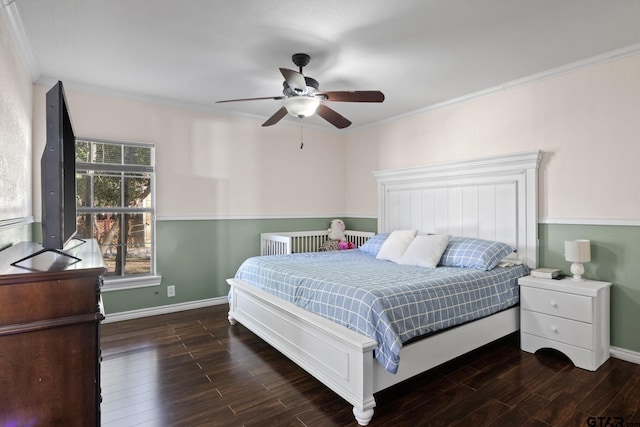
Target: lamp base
{"x": 577, "y": 270}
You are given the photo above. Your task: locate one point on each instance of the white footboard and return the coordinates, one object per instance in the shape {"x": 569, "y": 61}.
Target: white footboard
{"x": 304, "y": 241}
{"x": 342, "y": 359}
{"x": 338, "y": 357}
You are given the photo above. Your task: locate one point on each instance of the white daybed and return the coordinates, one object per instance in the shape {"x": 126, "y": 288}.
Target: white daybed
{"x": 490, "y": 198}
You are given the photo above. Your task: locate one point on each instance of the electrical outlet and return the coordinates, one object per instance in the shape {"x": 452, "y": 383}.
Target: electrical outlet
{"x": 171, "y": 291}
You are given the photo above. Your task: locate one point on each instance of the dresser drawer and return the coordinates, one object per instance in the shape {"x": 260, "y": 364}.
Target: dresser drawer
{"x": 569, "y": 306}
{"x": 556, "y": 328}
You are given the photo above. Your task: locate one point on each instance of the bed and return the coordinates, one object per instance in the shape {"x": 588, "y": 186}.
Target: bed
{"x": 490, "y": 198}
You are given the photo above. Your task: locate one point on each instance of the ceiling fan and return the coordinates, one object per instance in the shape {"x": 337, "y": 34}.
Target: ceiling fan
{"x": 302, "y": 98}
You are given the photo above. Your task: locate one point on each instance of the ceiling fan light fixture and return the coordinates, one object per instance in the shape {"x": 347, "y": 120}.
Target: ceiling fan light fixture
{"x": 301, "y": 106}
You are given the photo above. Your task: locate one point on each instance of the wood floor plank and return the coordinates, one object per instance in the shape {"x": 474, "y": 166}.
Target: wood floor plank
{"x": 484, "y": 415}
{"x": 520, "y": 414}
{"x": 600, "y": 396}
{"x": 462, "y": 408}
{"x": 194, "y": 369}
{"x": 557, "y": 411}
{"x": 627, "y": 401}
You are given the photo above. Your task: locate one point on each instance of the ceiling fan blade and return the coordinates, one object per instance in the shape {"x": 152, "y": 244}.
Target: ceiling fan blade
{"x": 294, "y": 79}
{"x": 353, "y": 96}
{"x": 332, "y": 117}
{"x": 250, "y": 99}
{"x": 276, "y": 117}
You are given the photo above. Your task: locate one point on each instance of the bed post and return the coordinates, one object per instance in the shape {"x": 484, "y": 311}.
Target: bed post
{"x": 338, "y": 357}
{"x": 363, "y": 416}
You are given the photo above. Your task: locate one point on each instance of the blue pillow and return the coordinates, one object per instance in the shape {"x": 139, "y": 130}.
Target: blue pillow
{"x": 474, "y": 253}
{"x": 373, "y": 245}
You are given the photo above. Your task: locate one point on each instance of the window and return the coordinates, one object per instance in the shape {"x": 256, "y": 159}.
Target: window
{"x": 116, "y": 206}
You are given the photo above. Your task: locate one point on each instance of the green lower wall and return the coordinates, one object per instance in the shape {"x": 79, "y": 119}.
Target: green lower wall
{"x": 615, "y": 258}
{"x": 198, "y": 256}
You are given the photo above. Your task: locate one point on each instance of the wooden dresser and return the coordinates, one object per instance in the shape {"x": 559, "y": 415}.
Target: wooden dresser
{"x": 50, "y": 336}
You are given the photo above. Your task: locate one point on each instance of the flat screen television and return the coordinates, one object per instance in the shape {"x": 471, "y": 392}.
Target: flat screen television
{"x": 58, "y": 168}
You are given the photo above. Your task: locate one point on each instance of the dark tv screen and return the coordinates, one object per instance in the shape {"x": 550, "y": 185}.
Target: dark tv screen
{"x": 58, "y": 168}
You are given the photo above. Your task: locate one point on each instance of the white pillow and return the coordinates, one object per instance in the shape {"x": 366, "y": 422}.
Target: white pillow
{"x": 393, "y": 248}
{"x": 425, "y": 250}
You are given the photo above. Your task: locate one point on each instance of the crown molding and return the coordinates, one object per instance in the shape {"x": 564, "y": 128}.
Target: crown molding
{"x": 593, "y": 61}
{"x": 16, "y": 28}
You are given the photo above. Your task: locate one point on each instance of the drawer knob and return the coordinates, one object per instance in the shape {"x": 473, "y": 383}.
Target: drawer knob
{"x": 554, "y": 304}
{"x": 554, "y": 329}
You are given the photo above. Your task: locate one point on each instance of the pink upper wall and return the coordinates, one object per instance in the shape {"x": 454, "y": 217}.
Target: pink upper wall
{"x": 586, "y": 123}
{"x": 213, "y": 166}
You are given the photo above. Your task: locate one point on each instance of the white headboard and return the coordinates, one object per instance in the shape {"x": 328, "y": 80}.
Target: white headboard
{"x": 493, "y": 198}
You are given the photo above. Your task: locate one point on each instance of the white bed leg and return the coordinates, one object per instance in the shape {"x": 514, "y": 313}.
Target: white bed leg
{"x": 231, "y": 319}
{"x": 363, "y": 417}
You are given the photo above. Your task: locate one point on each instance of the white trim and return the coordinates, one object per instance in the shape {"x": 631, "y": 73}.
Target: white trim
{"x": 499, "y": 163}
{"x": 616, "y": 352}
{"x": 533, "y": 78}
{"x": 24, "y": 46}
{"x": 172, "y": 103}
{"x": 164, "y": 309}
{"x": 593, "y": 61}
{"x": 633, "y": 222}
{"x": 124, "y": 283}
{"x": 354, "y": 215}
{"x": 16, "y": 28}
{"x": 243, "y": 217}
{"x": 15, "y": 222}
{"x": 624, "y": 354}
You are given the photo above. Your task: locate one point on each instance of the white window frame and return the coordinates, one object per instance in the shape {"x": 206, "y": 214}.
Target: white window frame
{"x": 111, "y": 283}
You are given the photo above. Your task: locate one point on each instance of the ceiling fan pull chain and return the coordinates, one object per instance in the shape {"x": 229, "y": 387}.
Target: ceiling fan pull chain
{"x": 301, "y": 140}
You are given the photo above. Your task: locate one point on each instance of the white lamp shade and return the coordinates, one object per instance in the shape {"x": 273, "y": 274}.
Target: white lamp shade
{"x": 577, "y": 250}
{"x": 301, "y": 106}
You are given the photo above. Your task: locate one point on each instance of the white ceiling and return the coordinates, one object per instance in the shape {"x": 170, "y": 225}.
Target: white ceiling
{"x": 420, "y": 53}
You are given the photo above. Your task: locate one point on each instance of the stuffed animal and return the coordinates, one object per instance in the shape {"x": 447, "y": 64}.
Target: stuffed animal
{"x": 346, "y": 245}
{"x": 336, "y": 232}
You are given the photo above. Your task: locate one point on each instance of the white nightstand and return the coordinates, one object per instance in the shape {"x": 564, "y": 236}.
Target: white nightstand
{"x": 569, "y": 316}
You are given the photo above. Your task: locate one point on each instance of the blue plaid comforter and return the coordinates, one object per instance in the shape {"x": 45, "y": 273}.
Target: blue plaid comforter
{"x": 385, "y": 301}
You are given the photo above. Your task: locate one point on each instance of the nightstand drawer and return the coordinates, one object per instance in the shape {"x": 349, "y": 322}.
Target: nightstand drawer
{"x": 565, "y": 305}
{"x": 558, "y": 329}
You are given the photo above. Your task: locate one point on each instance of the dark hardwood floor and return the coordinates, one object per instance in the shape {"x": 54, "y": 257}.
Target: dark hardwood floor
{"x": 194, "y": 369}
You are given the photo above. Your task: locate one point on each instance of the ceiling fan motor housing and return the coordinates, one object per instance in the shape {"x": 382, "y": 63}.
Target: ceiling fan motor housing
{"x": 312, "y": 87}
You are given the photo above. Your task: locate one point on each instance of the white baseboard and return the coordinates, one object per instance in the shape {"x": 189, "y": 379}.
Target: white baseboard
{"x": 624, "y": 354}
{"x": 164, "y": 309}
{"x": 617, "y": 352}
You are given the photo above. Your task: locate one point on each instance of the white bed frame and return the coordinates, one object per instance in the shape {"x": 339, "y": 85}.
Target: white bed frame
{"x": 493, "y": 198}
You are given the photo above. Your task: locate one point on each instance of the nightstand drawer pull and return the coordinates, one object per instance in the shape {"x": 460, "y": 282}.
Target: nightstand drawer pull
{"x": 554, "y": 304}
{"x": 554, "y": 329}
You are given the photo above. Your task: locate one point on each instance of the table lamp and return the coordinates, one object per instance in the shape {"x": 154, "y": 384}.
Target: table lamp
{"x": 577, "y": 252}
